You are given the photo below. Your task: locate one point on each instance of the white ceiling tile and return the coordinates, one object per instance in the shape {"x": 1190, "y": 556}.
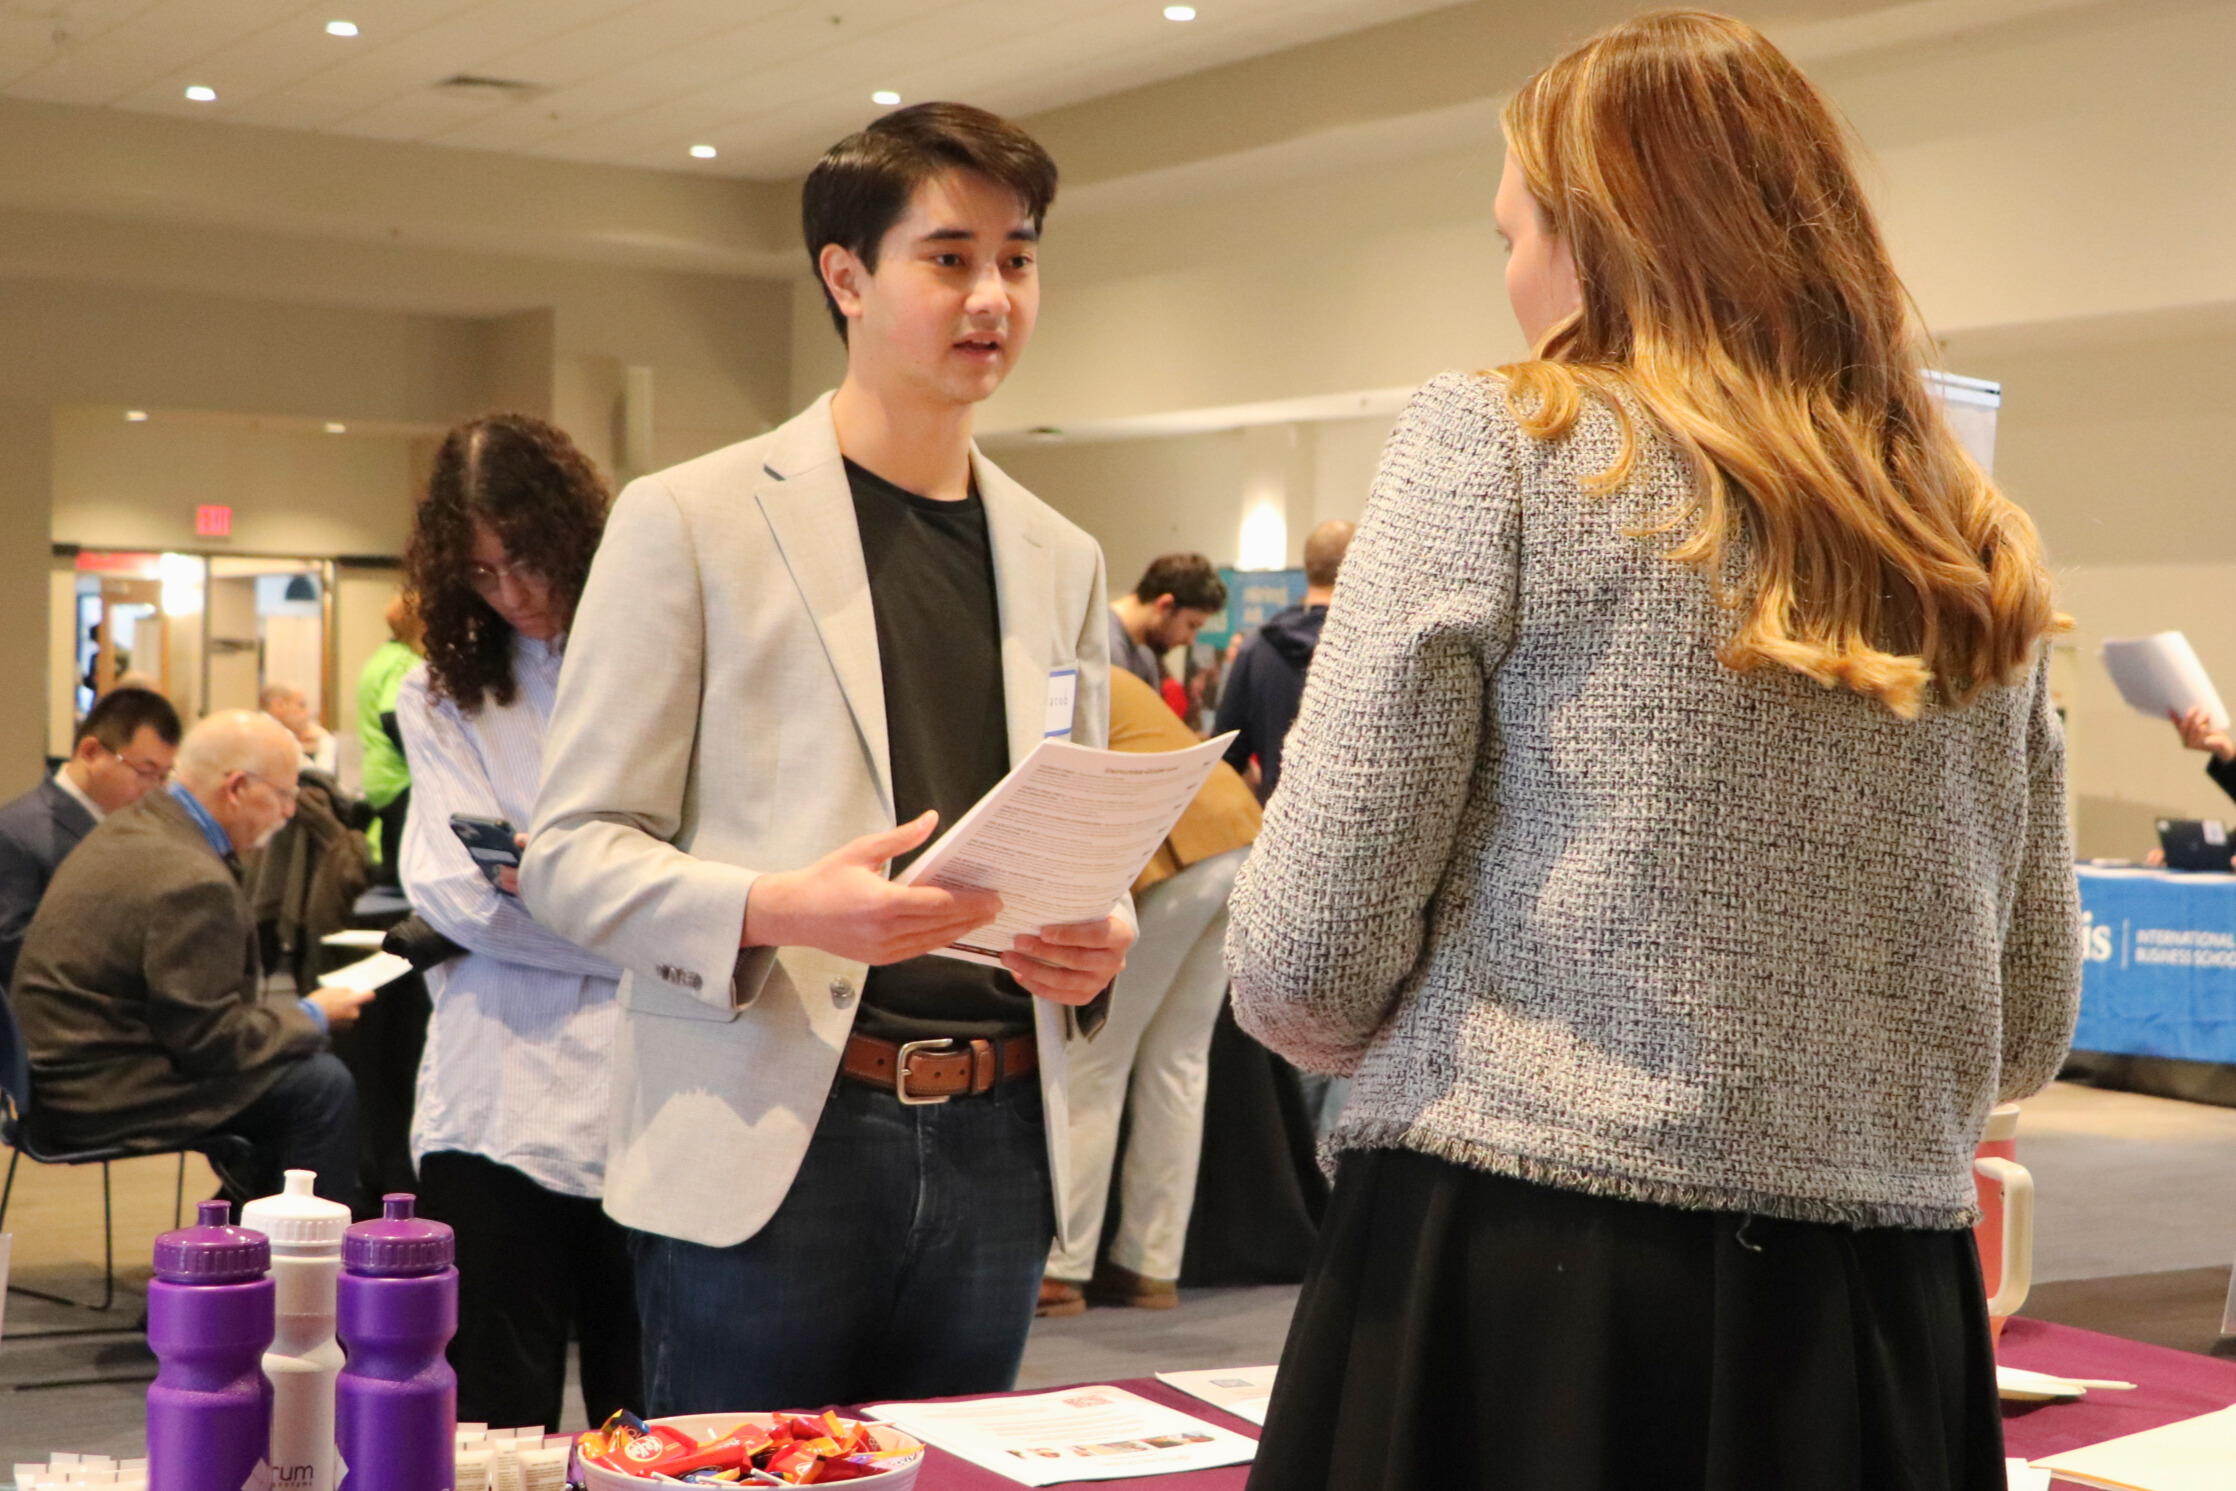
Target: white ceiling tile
{"x": 769, "y": 82}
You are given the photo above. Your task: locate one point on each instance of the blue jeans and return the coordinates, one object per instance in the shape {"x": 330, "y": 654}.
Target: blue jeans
{"x": 306, "y": 1120}
{"x": 904, "y": 1263}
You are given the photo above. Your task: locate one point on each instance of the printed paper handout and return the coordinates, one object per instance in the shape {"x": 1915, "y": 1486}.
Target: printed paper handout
{"x": 2196, "y": 1454}
{"x": 1078, "y": 1434}
{"x": 1241, "y": 1391}
{"x": 1063, "y": 836}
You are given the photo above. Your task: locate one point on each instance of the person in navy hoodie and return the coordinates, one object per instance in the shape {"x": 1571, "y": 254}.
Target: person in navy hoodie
{"x": 1259, "y": 702}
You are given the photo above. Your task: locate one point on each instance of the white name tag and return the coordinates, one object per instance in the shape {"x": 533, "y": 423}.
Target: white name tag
{"x": 1063, "y": 698}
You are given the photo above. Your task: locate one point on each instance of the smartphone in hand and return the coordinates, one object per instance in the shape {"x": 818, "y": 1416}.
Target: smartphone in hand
{"x": 489, "y": 841}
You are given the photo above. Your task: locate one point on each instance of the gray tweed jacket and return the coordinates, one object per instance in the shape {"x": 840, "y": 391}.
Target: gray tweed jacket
{"x": 1573, "y": 902}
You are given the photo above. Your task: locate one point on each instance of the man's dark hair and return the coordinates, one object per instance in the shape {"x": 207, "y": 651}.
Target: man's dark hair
{"x": 120, "y": 714}
{"x": 526, "y": 480}
{"x": 1190, "y": 579}
{"x": 863, "y": 183}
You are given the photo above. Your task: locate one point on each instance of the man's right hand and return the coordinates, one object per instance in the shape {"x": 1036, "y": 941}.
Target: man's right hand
{"x": 340, "y": 1006}
{"x": 2199, "y": 735}
{"x": 844, "y": 905}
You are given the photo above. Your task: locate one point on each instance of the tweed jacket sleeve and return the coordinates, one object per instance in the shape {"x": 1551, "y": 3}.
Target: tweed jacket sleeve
{"x": 202, "y": 1002}
{"x": 1329, "y": 913}
{"x": 2041, "y": 970}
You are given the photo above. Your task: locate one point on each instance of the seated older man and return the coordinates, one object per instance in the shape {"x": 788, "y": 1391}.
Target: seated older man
{"x": 139, "y": 990}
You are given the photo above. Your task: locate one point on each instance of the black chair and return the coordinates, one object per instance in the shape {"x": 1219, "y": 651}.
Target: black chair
{"x": 220, "y": 1150}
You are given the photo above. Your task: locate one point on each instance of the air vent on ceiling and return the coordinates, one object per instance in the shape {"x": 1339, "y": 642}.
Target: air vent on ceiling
{"x": 474, "y": 85}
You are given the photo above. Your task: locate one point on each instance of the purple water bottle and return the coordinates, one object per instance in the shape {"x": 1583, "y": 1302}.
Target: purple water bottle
{"x": 396, "y": 1308}
{"x": 209, "y": 1324}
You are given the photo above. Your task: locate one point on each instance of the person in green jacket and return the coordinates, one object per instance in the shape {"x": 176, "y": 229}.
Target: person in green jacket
{"x": 386, "y": 778}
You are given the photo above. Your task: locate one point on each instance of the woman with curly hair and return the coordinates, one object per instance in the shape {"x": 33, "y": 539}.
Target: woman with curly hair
{"x": 509, "y": 1127}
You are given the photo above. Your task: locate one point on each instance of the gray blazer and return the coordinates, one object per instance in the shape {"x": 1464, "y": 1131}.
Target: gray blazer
{"x": 138, "y": 989}
{"x": 721, "y": 714}
{"x": 1577, "y": 903}
{"x": 36, "y": 830}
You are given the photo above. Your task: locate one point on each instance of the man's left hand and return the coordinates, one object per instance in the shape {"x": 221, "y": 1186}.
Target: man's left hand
{"x": 1071, "y": 964}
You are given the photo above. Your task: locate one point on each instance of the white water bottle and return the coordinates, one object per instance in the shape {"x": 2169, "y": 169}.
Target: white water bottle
{"x": 306, "y": 1236}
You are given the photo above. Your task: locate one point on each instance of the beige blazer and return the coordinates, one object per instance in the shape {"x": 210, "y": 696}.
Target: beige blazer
{"x": 721, "y": 713}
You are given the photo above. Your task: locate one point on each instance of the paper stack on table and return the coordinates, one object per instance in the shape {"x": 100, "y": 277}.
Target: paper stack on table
{"x": 2020, "y": 1476}
{"x": 2196, "y": 1454}
{"x": 2161, "y": 675}
{"x": 1063, "y": 836}
{"x": 1077, "y": 1434}
{"x": 1241, "y": 1391}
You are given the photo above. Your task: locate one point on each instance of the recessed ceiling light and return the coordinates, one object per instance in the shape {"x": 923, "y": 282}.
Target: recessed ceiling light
{"x": 703, "y": 152}
{"x": 341, "y": 28}
{"x": 334, "y": 427}
{"x": 885, "y": 97}
{"x": 1180, "y": 12}
{"x": 202, "y": 95}
{"x": 136, "y": 416}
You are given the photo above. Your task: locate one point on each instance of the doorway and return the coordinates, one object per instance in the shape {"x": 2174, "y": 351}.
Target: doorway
{"x": 208, "y": 631}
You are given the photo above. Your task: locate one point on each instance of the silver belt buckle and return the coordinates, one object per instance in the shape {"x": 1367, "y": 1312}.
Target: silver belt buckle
{"x": 900, "y": 1071}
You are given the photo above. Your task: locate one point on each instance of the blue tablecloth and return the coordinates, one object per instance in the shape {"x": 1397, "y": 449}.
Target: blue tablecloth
{"x": 2158, "y": 970}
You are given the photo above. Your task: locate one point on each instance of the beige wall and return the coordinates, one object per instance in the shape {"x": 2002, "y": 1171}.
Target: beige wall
{"x": 1140, "y": 498}
{"x": 220, "y": 334}
{"x": 2112, "y": 435}
{"x": 25, "y": 444}
{"x": 294, "y": 489}
{"x": 2069, "y": 165}
{"x": 1145, "y": 497}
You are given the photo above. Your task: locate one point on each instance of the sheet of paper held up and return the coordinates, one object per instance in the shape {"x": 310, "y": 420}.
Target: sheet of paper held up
{"x": 1241, "y": 1391}
{"x": 367, "y": 974}
{"x": 1063, "y": 836}
{"x": 2196, "y": 1454}
{"x": 2158, "y": 675}
{"x": 1077, "y": 1434}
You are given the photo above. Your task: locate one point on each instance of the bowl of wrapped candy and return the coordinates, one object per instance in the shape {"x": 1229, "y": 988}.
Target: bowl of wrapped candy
{"x": 746, "y": 1449}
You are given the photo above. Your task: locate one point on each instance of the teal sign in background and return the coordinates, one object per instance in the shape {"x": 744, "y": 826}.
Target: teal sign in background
{"x": 2158, "y": 964}
{"x": 1253, "y": 596}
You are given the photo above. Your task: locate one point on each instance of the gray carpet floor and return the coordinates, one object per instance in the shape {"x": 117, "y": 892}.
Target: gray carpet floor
{"x": 2135, "y": 1233}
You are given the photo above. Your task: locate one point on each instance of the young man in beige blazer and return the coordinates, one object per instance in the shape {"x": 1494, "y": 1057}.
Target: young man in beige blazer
{"x": 794, "y": 658}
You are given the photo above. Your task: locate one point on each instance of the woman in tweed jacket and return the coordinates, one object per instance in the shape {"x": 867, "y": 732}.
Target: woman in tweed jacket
{"x": 1672, "y": 845}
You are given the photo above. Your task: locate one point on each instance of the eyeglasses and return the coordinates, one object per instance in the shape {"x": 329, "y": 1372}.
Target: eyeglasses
{"x": 289, "y": 794}
{"x": 146, "y": 771}
{"x": 485, "y": 578}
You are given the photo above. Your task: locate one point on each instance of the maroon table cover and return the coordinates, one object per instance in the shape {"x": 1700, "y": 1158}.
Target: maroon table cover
{"x": 2169, "y": 1385}
{"x": 945, "y": 1472}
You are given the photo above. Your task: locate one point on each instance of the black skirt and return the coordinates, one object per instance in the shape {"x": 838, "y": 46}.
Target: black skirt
{"x": 1461, "y": 1329}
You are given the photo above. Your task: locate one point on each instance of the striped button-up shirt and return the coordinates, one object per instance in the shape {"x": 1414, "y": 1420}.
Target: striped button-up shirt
{"x": 519, "y": 1047}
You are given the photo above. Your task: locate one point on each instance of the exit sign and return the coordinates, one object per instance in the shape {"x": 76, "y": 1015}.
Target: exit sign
{"x": 213, "y": 522}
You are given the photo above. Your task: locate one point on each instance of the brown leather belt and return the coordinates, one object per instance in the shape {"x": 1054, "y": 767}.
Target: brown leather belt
{"x": 934, "y": 1071}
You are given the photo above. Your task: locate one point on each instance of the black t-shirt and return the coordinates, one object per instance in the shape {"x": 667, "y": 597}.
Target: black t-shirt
{"x": 939, "y": 646}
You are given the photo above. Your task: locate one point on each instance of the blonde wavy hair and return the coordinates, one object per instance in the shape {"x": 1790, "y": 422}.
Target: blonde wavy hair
{"x": 1735, "y": 284}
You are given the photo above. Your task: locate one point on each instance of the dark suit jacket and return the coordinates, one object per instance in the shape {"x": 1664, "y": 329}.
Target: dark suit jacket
{"x": 138, "y": 989}
{"x": 36, "y": 830}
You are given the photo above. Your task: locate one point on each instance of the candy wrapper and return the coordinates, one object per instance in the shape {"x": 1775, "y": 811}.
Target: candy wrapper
{"x": 794, "y": 1450}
